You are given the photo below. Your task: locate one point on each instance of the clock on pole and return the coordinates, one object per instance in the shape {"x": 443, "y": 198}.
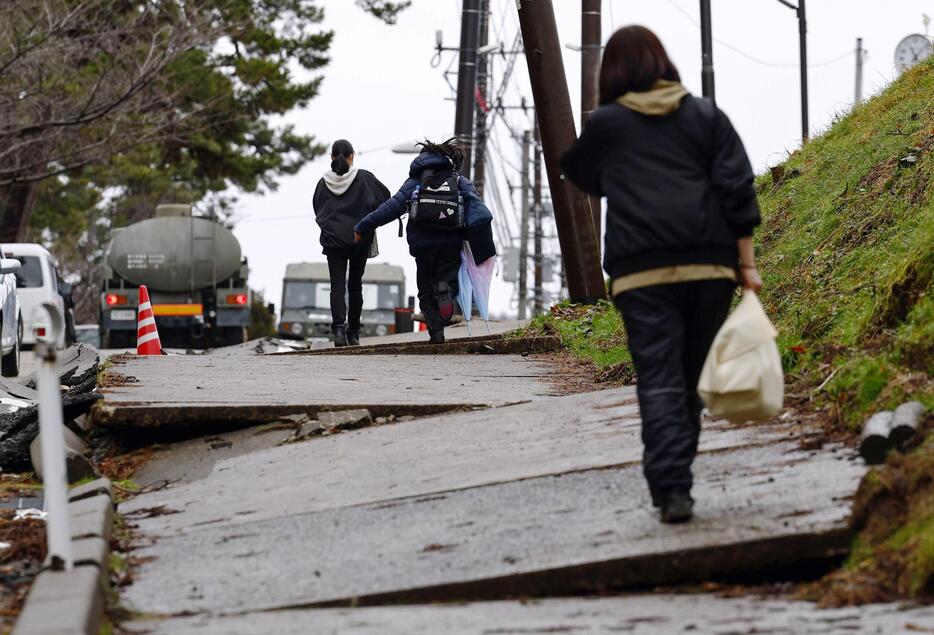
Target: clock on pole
{"x": 912, "y": 50}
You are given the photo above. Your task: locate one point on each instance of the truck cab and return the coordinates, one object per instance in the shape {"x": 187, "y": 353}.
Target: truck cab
{"x": 306, "y": 300}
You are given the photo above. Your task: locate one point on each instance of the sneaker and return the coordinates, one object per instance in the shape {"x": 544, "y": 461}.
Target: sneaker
{"x": 339, "y": 333}
{"x": 677, "y": 508}
{"x": 436, "y": 337}
{"x": 353, "y": 338}
{"x": 445, "y": 302}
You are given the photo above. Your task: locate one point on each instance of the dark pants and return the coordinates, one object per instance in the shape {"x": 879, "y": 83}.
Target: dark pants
{"x": 343, "y": 284}
{"x": 435, "y": 269}
{"x": 670, "y": 329}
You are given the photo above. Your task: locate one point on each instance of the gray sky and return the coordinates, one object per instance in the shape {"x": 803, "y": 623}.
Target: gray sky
{"x": 380, "y": 89}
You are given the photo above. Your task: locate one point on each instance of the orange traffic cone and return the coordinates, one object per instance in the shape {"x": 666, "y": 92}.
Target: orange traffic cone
{"x": 147, "y": 335}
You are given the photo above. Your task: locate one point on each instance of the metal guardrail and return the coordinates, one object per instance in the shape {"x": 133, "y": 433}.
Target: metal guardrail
{"x": 52, "y": 441}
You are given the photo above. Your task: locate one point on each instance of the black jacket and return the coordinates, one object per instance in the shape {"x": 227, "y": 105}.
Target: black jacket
{"x": 679, "y": 187}
{"x": 421, "y": 238}
{"x": 336, "y": 214}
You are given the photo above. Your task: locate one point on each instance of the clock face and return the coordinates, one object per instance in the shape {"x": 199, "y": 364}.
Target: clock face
{"x": 912, "y": 50}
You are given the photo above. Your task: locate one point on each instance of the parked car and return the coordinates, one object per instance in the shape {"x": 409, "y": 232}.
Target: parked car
{"x": 11, "y": 317}
{"x": 37, "y": 281}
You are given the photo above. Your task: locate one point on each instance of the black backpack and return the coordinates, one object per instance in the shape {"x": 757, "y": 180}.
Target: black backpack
{"x": 437, "y": 201}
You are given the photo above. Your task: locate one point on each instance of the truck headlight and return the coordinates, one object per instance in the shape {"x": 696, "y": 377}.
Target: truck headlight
{"x": 381, "y": 329}
{"x": 296, "y": 328}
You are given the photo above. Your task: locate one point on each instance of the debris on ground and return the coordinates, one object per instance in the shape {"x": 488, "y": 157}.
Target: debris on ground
{"x": 21, "y": 557}
{"x": 19, "y": 426}
{"x": 893, "y": 519}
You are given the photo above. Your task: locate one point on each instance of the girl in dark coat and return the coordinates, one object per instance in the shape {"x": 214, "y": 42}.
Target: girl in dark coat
{"x": 436, "y": 251}
{"x": 343, "y": 196}
{"x": 681, "y": 208}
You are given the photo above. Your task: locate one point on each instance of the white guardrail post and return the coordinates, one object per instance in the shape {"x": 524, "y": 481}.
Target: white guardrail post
{"x": 52, "y": 440}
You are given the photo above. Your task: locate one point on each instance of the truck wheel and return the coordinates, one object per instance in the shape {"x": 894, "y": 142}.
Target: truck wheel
{"x": 9, "y": 365}
{"x": 232, "y": 335}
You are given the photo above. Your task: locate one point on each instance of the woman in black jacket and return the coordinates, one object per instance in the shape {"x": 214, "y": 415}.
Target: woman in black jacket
{"x": 344, "y": 195}
{"x": 681, "y": 207}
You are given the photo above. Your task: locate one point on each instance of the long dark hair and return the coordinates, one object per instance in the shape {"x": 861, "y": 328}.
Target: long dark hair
{"x": 339, "y": 153}
{"x": 452, "y": 149}
{"x": 633, "y": 60}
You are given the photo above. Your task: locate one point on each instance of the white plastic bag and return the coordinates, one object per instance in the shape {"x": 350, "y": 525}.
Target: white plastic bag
{"x": 742, "y": 378}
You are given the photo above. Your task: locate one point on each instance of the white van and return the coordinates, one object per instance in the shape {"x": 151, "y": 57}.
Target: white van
{"x": 37, "y": 281}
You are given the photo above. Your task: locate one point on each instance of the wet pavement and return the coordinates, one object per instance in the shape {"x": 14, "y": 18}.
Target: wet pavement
{"x": 636, "y": 614}
{"x": 525, "y": 494}
{"x": 180, "y": 390}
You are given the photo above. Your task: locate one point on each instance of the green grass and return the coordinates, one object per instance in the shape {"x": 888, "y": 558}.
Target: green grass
{"x": 845, "y": 253}
{"x": 594, "y": 333}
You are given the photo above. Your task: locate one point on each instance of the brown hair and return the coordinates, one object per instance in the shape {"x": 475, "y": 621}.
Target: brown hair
{"x": 633, "y": 60}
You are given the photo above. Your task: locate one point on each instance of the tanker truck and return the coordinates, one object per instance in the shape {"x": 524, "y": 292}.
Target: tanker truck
{"x": 195, "y": 274}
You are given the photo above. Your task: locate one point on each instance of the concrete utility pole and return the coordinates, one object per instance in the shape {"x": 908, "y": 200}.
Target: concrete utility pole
{"x": 553, "y": 105}
{"x": 858, "y": 99}
{"x": 467, "y": 77}
{"x": 803, "y": 45}
{"x": 538, "y": 305}
{"x": 524, "y": 228}
{"x": 707, "y": 83}
{"x": 591, "y": 41}
{"x": 803, "y": 42}
{"x": 479, "y": 168}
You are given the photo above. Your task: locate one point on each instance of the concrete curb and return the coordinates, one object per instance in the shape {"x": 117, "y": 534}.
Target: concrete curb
{"x": 72, "y": 602}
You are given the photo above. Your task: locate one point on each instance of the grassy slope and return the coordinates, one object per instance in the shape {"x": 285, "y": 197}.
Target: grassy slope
{"x": 846, "y": 253}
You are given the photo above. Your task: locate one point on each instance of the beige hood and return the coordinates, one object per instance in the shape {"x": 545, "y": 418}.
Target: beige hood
{"x": 664, "y": 98}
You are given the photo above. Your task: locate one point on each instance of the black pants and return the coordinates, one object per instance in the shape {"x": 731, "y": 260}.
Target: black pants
{"x": 435, "y": 266}
{"x": 670, "y": 329}
{"x": 343, "y": 284}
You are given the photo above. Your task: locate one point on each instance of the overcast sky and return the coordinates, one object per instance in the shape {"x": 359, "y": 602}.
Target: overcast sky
{"x": 380, "y": 89}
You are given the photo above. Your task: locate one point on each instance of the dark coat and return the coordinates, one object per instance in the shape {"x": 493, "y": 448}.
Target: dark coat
{"x": 336, "y": 214}
{"x": 679, "y": 187}
{"x": 423, "y": 238}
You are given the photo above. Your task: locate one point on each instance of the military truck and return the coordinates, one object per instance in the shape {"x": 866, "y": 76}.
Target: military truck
{"x": 306, "y": 300}
{"x": 195, "y": 274}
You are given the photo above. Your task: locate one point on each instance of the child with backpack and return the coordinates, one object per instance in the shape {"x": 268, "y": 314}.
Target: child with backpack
{"x": 439, "y": 202}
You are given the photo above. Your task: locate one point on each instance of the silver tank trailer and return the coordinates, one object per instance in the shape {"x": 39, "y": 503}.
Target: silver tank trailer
{"x": 165, "y": 254}
{"x": 196, "y": 278}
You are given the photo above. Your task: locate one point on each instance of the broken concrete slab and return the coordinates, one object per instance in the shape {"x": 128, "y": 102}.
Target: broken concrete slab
{"x": 480, "y": 345}
{"x": 91, "y": 489}
{"x": 637, "y": 614}
{"x": 92, "y": 550}
{"x": 78, "y": 467}
{"x": 63, "y": 603}
{"x": 201, "y": 389}
{"x": 418, "y": 458}
{"x": 345, "y": 419}
{"x": 91, "y": 517}
{"x": 549, "y": 535}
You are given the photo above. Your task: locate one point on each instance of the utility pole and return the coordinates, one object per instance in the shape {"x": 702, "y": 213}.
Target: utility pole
{"x": 479, "y": 168}
{"x": 538, "y": 305}
{"x": 858, "y": 99}
{"x": 803, "y": 45}
{"x": 553, "y": 106}
{"x": 467, "y": 77}
{"x": 591, "y": 40}
{"x": 803, "y": 42}
{"x": 524, "y": 228}
{"x": 707, "y": 83}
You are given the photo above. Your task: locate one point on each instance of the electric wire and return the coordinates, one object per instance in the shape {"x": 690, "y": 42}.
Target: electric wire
{"x": 748, "y": 56}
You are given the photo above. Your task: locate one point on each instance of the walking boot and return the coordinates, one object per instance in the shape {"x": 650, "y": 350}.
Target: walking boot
{"x": 445, "y": 301}
{"x": 339, "y": 333}
{"x": 677, "y": 508}
{"x": 353, "y": 338}
{"x": 436, "y": 337}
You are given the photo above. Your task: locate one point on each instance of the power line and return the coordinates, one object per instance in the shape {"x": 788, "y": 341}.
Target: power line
{"x": 748, "y": 56}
